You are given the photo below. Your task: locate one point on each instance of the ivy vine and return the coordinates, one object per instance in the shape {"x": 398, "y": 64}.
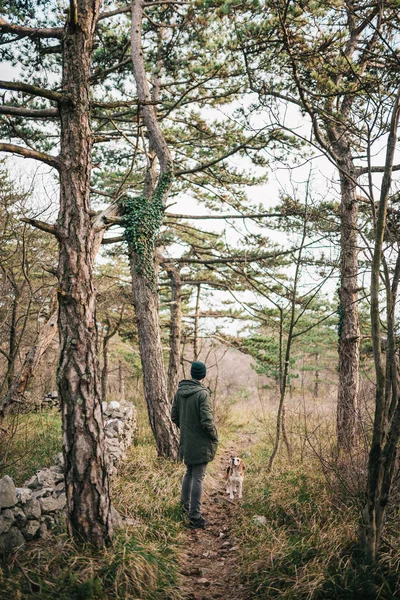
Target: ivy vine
{"x": 142, "y": 220}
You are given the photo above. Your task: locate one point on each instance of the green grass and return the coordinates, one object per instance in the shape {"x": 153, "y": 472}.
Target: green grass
{"x": 32, "y": 442}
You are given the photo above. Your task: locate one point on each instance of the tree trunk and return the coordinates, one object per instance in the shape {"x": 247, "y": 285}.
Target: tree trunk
{"x": 349, "y": 329}
{"x": 316, "y": 382}
{"x": 386, "y": 429}
{"x": 121, "y": 381}
{"x": 175, "y": 329}
{"x": 12, "y": 342}
{"x": 145, "y": 301}
{"x": 15, "y": 393}
{"x": 141, "y": 246}
{"x": 87, "y": 486}
{"x": 196, "y": 325}
{"x": 104, "y": 371}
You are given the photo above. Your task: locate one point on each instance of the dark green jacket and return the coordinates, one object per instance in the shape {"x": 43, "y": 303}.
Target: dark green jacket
{"x": 192, "y": 413}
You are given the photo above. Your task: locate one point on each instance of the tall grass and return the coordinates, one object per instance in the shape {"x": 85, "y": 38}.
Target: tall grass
{"x": 32, "y": 442}
{"x": 142, "y": 562}
{"x": 307, "y": 546}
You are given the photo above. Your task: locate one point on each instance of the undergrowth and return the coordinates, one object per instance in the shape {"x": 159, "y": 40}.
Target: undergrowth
{"x": 143, "y": 561}
{"x": 32, "y": 442}
{"x": 305, "y": 546}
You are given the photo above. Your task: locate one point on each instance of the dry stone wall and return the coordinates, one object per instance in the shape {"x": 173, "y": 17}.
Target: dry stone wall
{"x": 29, "y": 512}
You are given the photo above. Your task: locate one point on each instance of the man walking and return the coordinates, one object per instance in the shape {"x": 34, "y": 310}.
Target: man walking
{"x": 192, "y": 413}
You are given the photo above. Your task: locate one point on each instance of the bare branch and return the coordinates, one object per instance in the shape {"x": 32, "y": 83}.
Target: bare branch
{"x": 364, "y": 170}
{"x": 225, "y": 216}
{"x": 113, "y": 240}
{"x": 19, "y": 86}
{"x": 112, "y": 13}
{"x": 29, "y": 113}
{"x": 53, "y": 161}
{"x": 42, "y": 225}
{"x": 21, "y": 31}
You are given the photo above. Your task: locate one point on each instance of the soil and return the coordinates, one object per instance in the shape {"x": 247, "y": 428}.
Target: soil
{"x": 210, "y": 564}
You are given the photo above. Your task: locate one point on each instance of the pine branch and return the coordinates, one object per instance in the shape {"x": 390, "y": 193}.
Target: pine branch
{"x": 29, "y": 113}
{"x": 32, "y": 32}
{"x": 42, "y": 225}
{"x": 33, "y": 90}
{"x": 225, "y": 216}
{"x": 364, "y": 170}
{"x": 53, "y": 161}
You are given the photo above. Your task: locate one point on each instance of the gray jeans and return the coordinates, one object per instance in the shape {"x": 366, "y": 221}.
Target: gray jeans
{"x": 192, "y": 488}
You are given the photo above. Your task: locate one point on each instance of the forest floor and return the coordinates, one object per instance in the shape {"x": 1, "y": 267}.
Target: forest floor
{"x": 210, "y": 563}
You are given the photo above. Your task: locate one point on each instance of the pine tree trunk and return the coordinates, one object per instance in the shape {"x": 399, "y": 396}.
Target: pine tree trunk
{"x": 87, "y": 487}
{"x": 349, "y": 329}
{"x": 175, "y": 330}
{"x": 145, "y": 301}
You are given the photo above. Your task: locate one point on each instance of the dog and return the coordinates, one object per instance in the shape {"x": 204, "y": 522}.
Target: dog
{"x": 235, "y": 476}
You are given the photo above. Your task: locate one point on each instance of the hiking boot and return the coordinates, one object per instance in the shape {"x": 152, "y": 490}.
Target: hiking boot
{"x": 199, "y": 523}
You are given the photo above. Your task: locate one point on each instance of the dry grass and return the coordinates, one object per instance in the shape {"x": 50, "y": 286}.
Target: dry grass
{"x": 143, "y": 561}
{"x": 31, "y": 442}
{"x": 308, "y": 547}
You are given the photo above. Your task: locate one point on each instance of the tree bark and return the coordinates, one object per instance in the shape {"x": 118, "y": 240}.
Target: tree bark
{"x": 87, "y": 486}
{"x": 145, "y": 301}
{"x": 175, "y": 329}
{"x": 143, "y": 268}
{"x": 104, "y": 370}
{"x": 349, "y": 329}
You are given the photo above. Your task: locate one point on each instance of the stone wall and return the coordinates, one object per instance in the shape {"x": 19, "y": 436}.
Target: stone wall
{"x": 29, "y": 512}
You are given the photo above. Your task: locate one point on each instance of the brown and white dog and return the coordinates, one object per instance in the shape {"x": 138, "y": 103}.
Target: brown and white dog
{"x": 235, "y": 476}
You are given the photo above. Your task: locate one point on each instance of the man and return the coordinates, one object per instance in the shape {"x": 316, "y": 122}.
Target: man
{"x": 192, "y": 413}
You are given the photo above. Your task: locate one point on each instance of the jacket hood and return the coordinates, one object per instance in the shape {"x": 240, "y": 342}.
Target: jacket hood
{"x": 187, "y": 387}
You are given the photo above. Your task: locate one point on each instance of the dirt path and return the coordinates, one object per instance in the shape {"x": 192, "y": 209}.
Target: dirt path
{"x": 210, "y": 565}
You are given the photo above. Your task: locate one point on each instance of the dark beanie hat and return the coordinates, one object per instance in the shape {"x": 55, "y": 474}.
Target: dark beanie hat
{"x": 198, "y": 370}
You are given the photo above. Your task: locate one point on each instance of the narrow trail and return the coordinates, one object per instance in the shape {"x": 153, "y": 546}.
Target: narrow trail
{"x": 210, "y": 564}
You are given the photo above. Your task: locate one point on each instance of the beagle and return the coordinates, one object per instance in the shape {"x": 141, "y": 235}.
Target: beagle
{"x": 235, "y": 476}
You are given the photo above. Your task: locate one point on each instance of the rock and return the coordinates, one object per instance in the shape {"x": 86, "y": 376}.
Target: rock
{"x": 59, "y": 460}
{"x": 203, "y": 581}
{"x": 44, "y": 532}
{"x": 113, "y": 404}
{"x": 31, "y": 530}
{"x": 60, "y": 486}
{"x": 62, "y": 500}
{"x": 50, "y": 504}
{"x": 11, "y": 540}
{"x": 117, "y": 520}
{"x": 104, "y": 406}
{"x": 32, "y": 483}
{"x": 7, "y": 519}
{"x": 32, "y": 509}
{"x": 46, "y": 478}
{"x": 19, "y": 515}
{"x": 43, "y": 493}
{"x": 8, "y": 496}
{"x": 53, "y": 394}
{"x": 260, "y": 520}
{"x": 115, "y": 425}
{"x": 226, "y": 544}
{"x": 23, "y": 495}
